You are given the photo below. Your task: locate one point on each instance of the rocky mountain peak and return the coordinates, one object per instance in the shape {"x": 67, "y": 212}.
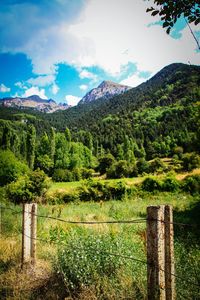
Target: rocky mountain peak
{"x": 105, "y": 90}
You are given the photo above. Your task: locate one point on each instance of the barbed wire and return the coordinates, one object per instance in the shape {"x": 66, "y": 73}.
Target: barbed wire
{"x": 100, "y": 222}
{"x": 122, "y": 256}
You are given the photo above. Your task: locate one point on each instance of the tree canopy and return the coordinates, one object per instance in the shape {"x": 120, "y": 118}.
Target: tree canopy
{"x": 171, "y": 10}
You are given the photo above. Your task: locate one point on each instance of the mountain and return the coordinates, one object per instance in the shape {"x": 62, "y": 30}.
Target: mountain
{"x": 33, "y": 102}
{"x": 173, "y": 84}
{"x": 105, "y": 90}
{"x": 150, "y": 120}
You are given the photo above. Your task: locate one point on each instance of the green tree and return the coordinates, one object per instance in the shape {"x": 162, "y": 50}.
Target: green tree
{"x": 171, "y": 10}
{"x": 10, "y": 167}
{"x": 105, "y": 162}
{"x": 31, "y": 144}
{"x": 68, "y": 135}
{"x": 52, "y": 143}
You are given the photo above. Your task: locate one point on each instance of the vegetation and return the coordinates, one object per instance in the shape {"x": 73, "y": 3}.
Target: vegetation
{"x": 171, "y": 11}
{"x": 77, "y": 262}
{"x": 118, "y": 156}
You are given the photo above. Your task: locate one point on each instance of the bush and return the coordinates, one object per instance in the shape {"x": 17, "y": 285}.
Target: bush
{"x": 170, "y": 184}
{"x": 142, "y": 166}
{"x": 105, "y": 162}
{"x": 86, "y": 260}
{"x": 61, "y": 197}
{"x": 10, "y": 167}
{"x": 156, "y": 165}
{"x": 28, "y": 188}
{"x": 190, "y": 161}
{"x": 96, "y": 191}
{"x": 120, "y": 169}
{"x": 151, "y": 184}
{"x": 60, "y": 175}
{"x": 191, "y": 184}
{"x": 77, "y": 174}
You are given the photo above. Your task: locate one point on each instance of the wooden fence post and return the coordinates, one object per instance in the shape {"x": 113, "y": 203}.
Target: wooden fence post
{"x": 29, "y": 233}
{"x": 160, "y": 253}
{"x": 155, "y": 253}
{"x": 169, "y": 254}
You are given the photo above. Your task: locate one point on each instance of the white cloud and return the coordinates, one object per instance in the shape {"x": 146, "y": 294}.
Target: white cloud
{"x": 55, "y": 88}
{"x": 20, "y": 85}
{"x": 89, "y": 75}
{"x": 4, "y": 89}
{"x": 34, "y": 90}
{"x": 72, "y": 100}
{"x": 42, "y": 80}
{"x": 83, "y": 87}
{"x": 119, "y": 34}
{"x": 106, "y": 33}
{"x": 132, "y": 80}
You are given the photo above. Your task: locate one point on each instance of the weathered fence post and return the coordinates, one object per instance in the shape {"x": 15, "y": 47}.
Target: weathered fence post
{"x": 155, "y": 253}
{"x": 169, "y": 254}
{"x": 160, "y": 253}
{"x": 29, "y": 223}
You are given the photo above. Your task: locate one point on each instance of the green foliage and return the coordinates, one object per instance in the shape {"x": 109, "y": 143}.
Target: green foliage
{"x": 105, "y": 162}
{"x": 170, "y": 184}
{"x": 121, "y": 169}
{"x": 96, "y": 191}
{"x": 156, "y": 166}
{"x": 190, "y": 161}
{"x": 86, "y": 260}
{"x": 170, "y": 11}
{"x": 10, "y": 167}
{"x": 191, "y": 184}
{"x": 143, "y": 166}
{"x": 28, "y": 188}
{"x": 151, "y": 184}
{"x": 76, "y": 174}
{"x": 31, "y": 144}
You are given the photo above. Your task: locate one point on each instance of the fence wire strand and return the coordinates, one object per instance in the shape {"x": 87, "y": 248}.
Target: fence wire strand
{"x": 103, "y": 222}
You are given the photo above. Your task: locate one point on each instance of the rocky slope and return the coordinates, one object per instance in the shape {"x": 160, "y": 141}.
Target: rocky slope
{"x": 105, "y": 90}
{"x": 34, "y": 102}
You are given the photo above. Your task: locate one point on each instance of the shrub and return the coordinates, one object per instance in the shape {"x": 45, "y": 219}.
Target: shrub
{"x": 10, "y": 167}
{"x": 190, "y": 161}
{"x": 170, "y": 184}
{"x": 142, "y": 166}
{"x": 151, "y": 184}
{"x": 156, "y": 165}
{"x": 18, "y": 192}
{"x": 96, "y": 191}
{"x": 63, "y": 175}
{"x": 86, "y": 260}
{"x": 120, "y": 169}
{"x": 105, "y": 162}
{"x": 28, "y": 188}
{"x": 86, "y": 173}
{"x": 191, "y": 184}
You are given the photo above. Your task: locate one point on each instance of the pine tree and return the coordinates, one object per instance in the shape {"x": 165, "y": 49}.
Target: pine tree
{"x": 31, "y": 143}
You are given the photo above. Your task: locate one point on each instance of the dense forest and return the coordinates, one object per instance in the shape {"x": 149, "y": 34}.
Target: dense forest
{"x": 118, "y": 136}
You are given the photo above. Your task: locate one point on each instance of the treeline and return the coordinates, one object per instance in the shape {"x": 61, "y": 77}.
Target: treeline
{"x": 55, "y": 153}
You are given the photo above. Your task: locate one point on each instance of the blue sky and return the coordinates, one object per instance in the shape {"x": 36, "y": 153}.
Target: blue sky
{"x": 61, "y": 49}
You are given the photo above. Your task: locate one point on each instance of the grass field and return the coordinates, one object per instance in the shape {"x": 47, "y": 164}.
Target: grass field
{"x": 129, "y": 281}
{"x": 72, "y": 186}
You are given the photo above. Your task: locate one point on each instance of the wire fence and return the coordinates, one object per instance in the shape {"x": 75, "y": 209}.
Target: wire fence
{"x": 123, "y": 256}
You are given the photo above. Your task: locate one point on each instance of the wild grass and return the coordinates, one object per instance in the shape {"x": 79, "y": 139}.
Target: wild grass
{"x": 129, "y": 279}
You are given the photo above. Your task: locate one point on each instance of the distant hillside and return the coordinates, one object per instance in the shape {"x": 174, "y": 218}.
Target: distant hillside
{"x": 33, "y": 102}
{"x": 172, "y": 84}
{"x": 149, "y": 121}
{"x": 105, "y": 90}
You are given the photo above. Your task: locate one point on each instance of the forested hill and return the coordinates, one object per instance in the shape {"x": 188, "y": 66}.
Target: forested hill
{"x": 149, "y": 121}
{"x": 172, "y": 84}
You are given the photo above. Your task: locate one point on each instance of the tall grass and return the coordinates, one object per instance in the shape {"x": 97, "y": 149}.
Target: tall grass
{"x": 83, "y": 257}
